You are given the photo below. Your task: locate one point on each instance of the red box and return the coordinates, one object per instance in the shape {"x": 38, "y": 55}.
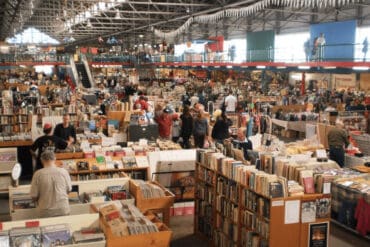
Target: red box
{"x": 89, "y": 155}
{"x": 120, "y": 153}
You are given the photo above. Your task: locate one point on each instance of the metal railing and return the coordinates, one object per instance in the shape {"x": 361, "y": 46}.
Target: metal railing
{"x": 336, "y": 52}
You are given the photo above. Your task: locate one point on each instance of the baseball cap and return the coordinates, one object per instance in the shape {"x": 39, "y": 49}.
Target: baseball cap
{"x": 47, "y": 126}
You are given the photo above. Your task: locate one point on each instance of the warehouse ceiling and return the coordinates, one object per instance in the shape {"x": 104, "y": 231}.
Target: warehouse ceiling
{"x": 132, "y": 21}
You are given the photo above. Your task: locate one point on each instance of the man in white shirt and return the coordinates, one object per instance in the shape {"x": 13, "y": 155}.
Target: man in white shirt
{"x": 230, "y": 102}
{"x": 50, "y": 187}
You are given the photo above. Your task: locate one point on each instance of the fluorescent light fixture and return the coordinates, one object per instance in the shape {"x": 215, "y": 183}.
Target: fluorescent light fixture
{"x": 216, "y": 67}
{"x": 360, "y": 68}
{"x": 261, "y": 67}
{"x": 229, "y": 66}
{"x": 281, "y": 67}
{"x": 244, "y": 67}
{"x": 118, "y": 15}
{"x": 304, "y": 67}
{"x": 330, "y": 67}
{"x": 88, "y": 24}
{"x": 141, "y": 36}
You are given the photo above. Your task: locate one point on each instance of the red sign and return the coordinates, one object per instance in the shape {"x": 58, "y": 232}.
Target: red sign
{"x": 30, "y": 224}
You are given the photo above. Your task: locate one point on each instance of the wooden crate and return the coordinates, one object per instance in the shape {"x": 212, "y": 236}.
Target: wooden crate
{"x": 151, "y": 203}
{"x": 75, "y": 222}
{"x": 156, "y": 239}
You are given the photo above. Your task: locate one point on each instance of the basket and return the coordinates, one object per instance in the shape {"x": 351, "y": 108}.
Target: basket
{"x": 363, "y": 142}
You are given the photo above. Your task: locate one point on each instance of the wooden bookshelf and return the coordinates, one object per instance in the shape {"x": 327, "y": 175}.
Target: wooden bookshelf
{"x": 102, "y": 172}
{"x": 229, "y": 213}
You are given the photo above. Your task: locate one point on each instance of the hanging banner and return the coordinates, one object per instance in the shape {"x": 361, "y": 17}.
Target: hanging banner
{"x": 344, "y": 81}
{"x": 333, "y": 41}
{"x": 260, "y": 46}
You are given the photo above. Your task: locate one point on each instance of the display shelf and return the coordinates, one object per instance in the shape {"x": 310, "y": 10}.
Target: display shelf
{"x": 19, "y": 143}
{"x": 132, "y": 172}
{"x": 65, "y": 156}
{"x": 156, "y": 239}
{"x": 232, "y": 214}
{"x": 161, "y": 204}
{"x": 76, "y": 208}
{"x": 75, "y": 222}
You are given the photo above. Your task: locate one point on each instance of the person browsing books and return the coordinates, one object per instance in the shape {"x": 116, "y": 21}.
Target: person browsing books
{"x": 50, "y": 187}
{"x": 47, "y": 142}
{"x": 338, "y": 140}
{"x": 242, "y": 142}
{"x": 65, "y": 130}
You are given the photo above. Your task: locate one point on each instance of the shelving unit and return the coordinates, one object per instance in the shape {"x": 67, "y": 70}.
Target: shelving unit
{"x": 103, "y": 173}
{"x": 229, "y": 213}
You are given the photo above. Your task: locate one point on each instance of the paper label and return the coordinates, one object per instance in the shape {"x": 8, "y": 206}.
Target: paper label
{"x": 277, "y": 203}
{"x": 326, "y": 188}
{"x": 292, "y": 209}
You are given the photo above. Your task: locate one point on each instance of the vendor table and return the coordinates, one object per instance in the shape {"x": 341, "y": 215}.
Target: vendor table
{"x": 351, "y": 160}
{"x": 299, "y": 126}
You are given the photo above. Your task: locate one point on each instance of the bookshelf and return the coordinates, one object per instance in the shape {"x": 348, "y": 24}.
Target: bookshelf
{"x": 231, "y": 210}
{"x": 15, "y": 123}
{"x": 101, "y": 171}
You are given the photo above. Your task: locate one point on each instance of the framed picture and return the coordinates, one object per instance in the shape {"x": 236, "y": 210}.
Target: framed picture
{"x": 318, "y": 234}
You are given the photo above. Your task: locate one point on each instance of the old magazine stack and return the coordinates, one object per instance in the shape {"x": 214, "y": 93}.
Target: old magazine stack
{"x": 238, "y": 205}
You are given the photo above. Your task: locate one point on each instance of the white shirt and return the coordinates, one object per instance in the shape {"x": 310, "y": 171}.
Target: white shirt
{"x": 230, "y": 102}
{"x": 194, "y": 100}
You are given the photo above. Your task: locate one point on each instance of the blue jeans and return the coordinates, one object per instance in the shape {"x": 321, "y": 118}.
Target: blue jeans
{"x": 337, "y": 154}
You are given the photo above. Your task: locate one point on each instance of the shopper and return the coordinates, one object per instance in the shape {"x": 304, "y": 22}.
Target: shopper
{"x": 200, "y": 130}
{"x": 220, "y": 130}
{"x": 186, "y": 127}
{"x": 164, "y": 121}
{"x": 47, "y": 142}
{"x": 230, "y": 102}
{"x": 50, "y": 187}
{"x": 65, "y": 130}
{"x": 241, "y": 142}
{"x": 141, "y": 103}
{"x": 338, "y": 140}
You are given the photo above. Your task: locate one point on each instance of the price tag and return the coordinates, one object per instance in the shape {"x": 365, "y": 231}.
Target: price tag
{"x": 30, "y": 224}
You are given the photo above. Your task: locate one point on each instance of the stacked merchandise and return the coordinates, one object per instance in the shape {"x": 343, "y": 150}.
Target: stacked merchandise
{"x": 23, "y": 201}
{"x": 150, "y": 190}
{"x": 230, "y": 194}
{"x": 126, "y": 221}
{"x": 48, "y": 236}
{"x": 351, "y": 202}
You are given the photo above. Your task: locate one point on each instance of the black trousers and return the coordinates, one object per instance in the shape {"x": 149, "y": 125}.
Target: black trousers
{"x": 199, "y": 141}
{"x": 186, "y": 142}
{"x": 337, "y": 154}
